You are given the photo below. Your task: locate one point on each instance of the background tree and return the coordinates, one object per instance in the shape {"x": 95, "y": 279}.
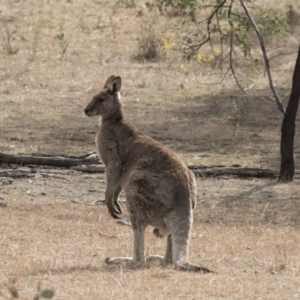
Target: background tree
{"x": 225, "y": 33}
{"x": 287, "y": 168}
{"x": 224, "y": 37}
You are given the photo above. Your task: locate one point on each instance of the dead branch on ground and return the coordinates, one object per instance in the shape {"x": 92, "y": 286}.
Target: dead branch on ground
{"x": 49, "y": 160}
{"x": 89, "y": 163}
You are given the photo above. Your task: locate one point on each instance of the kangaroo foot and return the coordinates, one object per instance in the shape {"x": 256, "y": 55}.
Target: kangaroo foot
{"x": 125, "y": 261}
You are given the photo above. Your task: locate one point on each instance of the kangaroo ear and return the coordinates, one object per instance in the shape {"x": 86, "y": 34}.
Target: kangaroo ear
{"x": 108, "y": 80}
{"x": 114, "y": 85}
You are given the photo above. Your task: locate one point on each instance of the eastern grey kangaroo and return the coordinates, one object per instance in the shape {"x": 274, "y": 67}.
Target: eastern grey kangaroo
{"x": 160, "y": 190}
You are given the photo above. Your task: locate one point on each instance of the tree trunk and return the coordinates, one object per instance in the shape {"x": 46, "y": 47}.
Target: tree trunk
{"x": 287, "y": 168}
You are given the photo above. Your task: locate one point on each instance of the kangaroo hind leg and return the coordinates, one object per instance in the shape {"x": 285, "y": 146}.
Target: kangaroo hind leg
{"x": 167, "y": 259}
{"x": 180, "y": 235}
{"x": 138, "y": 259}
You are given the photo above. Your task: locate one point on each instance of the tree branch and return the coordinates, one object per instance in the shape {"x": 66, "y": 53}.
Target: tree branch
{"x": 232, "y": 49}
{"x": 262, "y": 45}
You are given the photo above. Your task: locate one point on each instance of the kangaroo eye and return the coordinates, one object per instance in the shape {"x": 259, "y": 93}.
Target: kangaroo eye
{"x": 99, "y": 99}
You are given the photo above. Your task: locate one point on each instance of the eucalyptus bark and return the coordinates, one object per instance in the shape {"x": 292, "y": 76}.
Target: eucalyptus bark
{"x": 287, "y": 168}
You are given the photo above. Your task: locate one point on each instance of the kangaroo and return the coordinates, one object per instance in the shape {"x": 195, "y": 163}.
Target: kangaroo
{"x": 160, "y": 190}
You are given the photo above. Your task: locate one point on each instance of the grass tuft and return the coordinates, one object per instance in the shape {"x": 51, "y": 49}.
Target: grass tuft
{"x": 149, "y": 45}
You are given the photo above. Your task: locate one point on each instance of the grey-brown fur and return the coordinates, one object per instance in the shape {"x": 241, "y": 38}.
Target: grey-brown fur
{"x": 160, "y": 190}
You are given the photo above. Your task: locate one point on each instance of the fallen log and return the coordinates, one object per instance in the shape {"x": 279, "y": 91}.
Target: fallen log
{"x": 234, "y": 171}
{"x": 49, "y": 160}
{"x": 204, "y": 171}
{"x": 89, "y": 163}
{"x": 90, "y": 169}
{"x": 15, "y": 173}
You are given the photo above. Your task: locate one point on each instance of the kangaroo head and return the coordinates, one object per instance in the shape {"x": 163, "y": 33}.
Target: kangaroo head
{"x": 107, "y": 102}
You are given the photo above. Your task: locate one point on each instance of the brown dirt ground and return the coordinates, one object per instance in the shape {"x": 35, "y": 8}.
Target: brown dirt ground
{"x": 245, "y": 229}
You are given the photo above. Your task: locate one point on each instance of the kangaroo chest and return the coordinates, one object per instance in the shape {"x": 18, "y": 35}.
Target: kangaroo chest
{"x": 107, "y": 146}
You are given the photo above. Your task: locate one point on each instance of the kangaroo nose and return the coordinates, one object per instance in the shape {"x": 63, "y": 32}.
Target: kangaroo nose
{"x": 86, "y": 110}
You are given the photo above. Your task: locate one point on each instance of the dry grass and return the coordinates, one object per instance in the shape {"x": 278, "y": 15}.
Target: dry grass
{"x": 246, "y": 230}
{"x": 149, "y": 45}
{"x": 251, "y": 238}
